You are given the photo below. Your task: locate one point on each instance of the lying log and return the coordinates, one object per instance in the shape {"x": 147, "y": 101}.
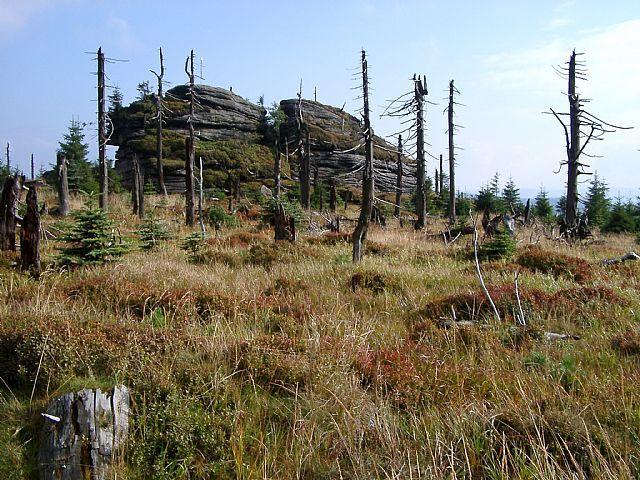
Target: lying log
{"x": 83, "y": 433}
{"x": 631, "y": 256}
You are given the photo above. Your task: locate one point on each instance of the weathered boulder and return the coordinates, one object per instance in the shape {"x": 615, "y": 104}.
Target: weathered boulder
{"x": 334, "y": 131}
{"x": 82, "y": 434}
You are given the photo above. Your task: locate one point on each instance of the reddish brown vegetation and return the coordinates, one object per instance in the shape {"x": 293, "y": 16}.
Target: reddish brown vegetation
{"x": 556, "y": 264}
{"x": 627, "y": 343}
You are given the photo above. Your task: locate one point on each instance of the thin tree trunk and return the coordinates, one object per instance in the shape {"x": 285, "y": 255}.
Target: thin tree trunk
{"x": 8, "y": 210}
{"x": 102, "y": 135}
{"x": 452, "y": 174}
{"x": 201, "y": 200}
{"x": 63, "y": 186}
{"x": 190, "y": 147}
{"x": 8, "y": 159}
{"x": 441, "y": 176}
{"x": 360, "y": 232}
{"x": 437, "y": 182}
{"x": 135, "y": 186}
{"x": 333, "y": 198}
{"x": 33, "y": 169}
{"x": 571, "y": 206}
{"x": 160, "y": 112}
{"x": 276, "y": 170}
{"x": 396, "y": 211}
{"x": 30, "y": 231}
{"x": 420, "y": 90}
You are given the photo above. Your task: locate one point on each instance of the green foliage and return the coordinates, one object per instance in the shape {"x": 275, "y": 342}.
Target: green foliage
{"x": 622, "y": 218}
{"x": 193, "y": 244}
{"x": 486, "y": 199}
{"x": 501, "y": 246}
{"x": 115, "y": 100}
{"x": 542, "y": 207}
{"x": 597, "y": 204}
{"x": 152, "y": 232}
{"x": 561, "y": 206}
{"x": 511, "y": 195}
{"x": 81, "y": 174}
{"x": 464, "y": 205}
{"x": 90, "y": 240}
{"x": 218, "y": 217}
{"x": 291, "y": 208}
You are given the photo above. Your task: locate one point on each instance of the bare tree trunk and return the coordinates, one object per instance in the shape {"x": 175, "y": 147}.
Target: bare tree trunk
{"x": 284, "y": 225}
{"x": 102, "y": 135}
{"x": 33, "y": 169}
{"x": 276, "y": 170}
{"x": 190, "y": 147}
{"x": 452, "y": 173}
{"x": 441, "y": 176}
{"x": 303, "y": 156}
{"x": 201, "y": 200}
{"x": 333, "y": 198}
{"x": 420, "y": 90}
{"x": 437, "y": 183}
{"x": 8, "y": 160}
{"x": 30, "y": 230}
{"x": 8, "y": 210}
{"x": 360, "y": 232}
{"x": 135, "y": 185}
{"x": 160, "y": 112}
{"x": 396, "y": 211}
{"x": 63, "y": 186}
{"x": 571, "y": 207}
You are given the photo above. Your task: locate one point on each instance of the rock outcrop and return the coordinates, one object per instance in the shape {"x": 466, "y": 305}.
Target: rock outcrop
{"x": 235, "y": 142}
{"x": 334, "y": 134}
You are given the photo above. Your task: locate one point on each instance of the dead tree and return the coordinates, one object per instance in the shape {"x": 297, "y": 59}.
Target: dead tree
{"x": 137, "y": 188}
{"x": 452, "y": 162}
{"x": 30, "y": 231}
{"x": 63, "y": 185}
{"x": 333, "y": 197}
{"x": 102, "y": 134}
{"x": 8, "y": 160}
{"x": 410, "y": 108}
{"x": 303, "y": 155}
{"x": 284, "y": 224}
{"x": 578, "y": 118}
{"x": 277, "y": 178}
{"x": 420, "y": 90}
{"x": 33, "y": 169}
{"x": 437, "y": 182}
{"x": 159, "y": 118}
{"x": 8, "y": 211}
{"x": 441, "y": 186}
{"x": 360, "y": 232}
{"x": 190, "y": 147}
{"x": 396, "y": 211}
{"x": 203, "y": 230}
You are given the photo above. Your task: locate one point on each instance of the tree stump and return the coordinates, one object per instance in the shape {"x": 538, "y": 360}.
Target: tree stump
{"x": 30, "y": 231}
{"x": 284, "y": 225}
{"x": 82, "y": 434}
{"x": 8, "y": 210}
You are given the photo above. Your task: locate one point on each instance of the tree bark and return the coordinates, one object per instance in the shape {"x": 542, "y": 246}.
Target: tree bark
{"x": 30, "y": 231}
{"x": 452, "y": 173}
{"x": 83, "y": 433}
{"x": 276, "y": 171}
{"x": 160, "y": 111}
{"x": 333, "y": 198}
{"x": 571, "y": 206}
{"x": 190, "y": 150}
{"x": 360, "y": 232}
{"x": 441, "y": 176}
{"x": 8, "y": 210}
{"x": 102, "y": 135}
{"x": 420, "y": 90}
{"x": 63, "y": 186}
{"x": 396, "y": 211}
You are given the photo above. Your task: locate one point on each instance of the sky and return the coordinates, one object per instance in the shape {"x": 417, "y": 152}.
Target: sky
{"x": 500, "y": 54}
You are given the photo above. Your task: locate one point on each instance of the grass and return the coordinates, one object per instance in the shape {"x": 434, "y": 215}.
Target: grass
{"x": 257, "y": 360}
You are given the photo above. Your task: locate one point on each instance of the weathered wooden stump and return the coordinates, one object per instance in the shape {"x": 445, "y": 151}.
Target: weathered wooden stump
{"x": 30, "y": 232}
{"x": 285, "y": 227}
{"x": 82, "y": 434}
{"x": 8, "y": 209}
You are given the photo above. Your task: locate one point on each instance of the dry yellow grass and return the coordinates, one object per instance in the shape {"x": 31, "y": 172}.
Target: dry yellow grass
{"x": 269, "y": 363}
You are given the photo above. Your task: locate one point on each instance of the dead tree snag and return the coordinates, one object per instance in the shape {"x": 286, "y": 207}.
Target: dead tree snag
{"x": 63, "y": 185}
{"x": 102, "y": 134}
{"x": 30, "y": 230}
{"x": 190, "y": 147}
{"x": 360, "y": 232}
{"x": 159, "y": 119}
{"x": 8, "y": 211}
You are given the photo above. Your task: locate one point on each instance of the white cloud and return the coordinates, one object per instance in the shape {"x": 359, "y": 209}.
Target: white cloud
{"x": 14, "y": 15}
{"x": 124, "y": 33}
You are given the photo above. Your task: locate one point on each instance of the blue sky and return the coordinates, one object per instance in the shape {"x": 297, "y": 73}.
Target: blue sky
{"x": 500, "y": 54}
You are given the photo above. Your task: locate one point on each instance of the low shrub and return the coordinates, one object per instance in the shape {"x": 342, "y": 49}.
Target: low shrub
{"x": 556, "y": 264}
